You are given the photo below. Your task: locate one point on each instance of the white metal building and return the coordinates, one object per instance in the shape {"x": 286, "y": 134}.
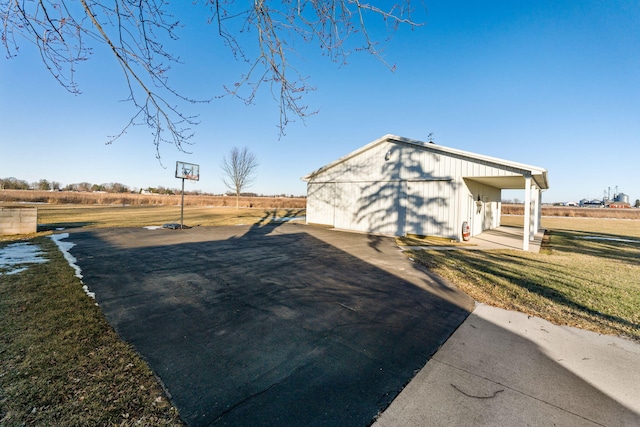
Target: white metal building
{"x": 399, "y": 186}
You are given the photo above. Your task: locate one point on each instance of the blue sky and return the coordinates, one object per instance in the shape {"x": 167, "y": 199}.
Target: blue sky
{"x": 554, "y": 84}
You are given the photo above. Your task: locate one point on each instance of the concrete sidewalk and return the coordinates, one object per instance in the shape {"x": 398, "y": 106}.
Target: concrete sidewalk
{"x": 506, "y": 368}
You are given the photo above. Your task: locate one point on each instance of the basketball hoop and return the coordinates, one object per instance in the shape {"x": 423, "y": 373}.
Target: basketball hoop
{"x": 186, "y": 171}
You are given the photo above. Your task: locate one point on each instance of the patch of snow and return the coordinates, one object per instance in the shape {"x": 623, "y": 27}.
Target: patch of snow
{"x": 13, "y": 257}
{"x": 90, "y": 294}
{"x": 611, "y": 239}
{"x": 64, "y": 248}
{"x": 292, "y": 218}
{"x": 153, "y": 227}
{"x": 16, "y": 271}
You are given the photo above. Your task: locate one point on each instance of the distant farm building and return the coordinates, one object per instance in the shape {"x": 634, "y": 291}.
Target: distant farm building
{"x": 595, "y": 203}
{"x": 619, "y": 205}
{"x": 620, "y": 201}
{"x": 398, "y": 186}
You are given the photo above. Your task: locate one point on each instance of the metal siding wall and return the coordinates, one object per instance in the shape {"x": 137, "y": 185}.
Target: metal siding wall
{"x": 430, "y": 208}
{"x": 368, "y": 166}
{"x": 415, "y": 210}
{"x": 465, "y": 207}
{"x": 496, "y": 196}
{"x": 433, "y": 195}
{"x": 447, "y": 166}
{"x": 373, "y": 207}
{"x": 489, "y": 215}
{"x": 371, "y": 194}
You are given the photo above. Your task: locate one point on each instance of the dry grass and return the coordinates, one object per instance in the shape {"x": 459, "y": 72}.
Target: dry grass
{"x": 576, "y": 212}
{"x": 417, "y": 240}
{"x": 575, "y": 280}
{"x": 134, "y": 199}
{"x": 138, "y": 216}
{"x": 617, "y": 227}
{"x": 51, "y": 217}
{"x": 61, "y": 364}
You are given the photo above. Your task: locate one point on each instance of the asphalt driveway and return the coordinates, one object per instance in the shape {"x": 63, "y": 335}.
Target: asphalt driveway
{"x": 278, "y": 324}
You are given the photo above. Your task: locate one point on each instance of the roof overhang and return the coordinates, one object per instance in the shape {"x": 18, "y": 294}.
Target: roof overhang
{"x": 514, "y": 180}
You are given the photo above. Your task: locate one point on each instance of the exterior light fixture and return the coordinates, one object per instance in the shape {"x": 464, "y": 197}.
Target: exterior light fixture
{"x": 387, "y": 156}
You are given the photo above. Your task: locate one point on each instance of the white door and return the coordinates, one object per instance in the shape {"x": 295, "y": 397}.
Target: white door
{"x": 320, "y": 203}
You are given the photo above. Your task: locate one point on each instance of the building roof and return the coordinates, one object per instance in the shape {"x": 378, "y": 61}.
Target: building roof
{"x": 539, "y": 175}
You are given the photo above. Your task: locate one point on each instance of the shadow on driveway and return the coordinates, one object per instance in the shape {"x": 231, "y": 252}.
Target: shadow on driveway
{"x": 272, "y": 324}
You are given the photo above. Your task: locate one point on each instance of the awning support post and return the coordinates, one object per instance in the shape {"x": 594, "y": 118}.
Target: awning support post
{"x": 539, "y": 209}
{"x": 527, "y": 213}
{"x": 535, "y": 196}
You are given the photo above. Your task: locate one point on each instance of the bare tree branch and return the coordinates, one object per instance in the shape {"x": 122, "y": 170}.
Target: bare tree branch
{"x": 262, "y": 33}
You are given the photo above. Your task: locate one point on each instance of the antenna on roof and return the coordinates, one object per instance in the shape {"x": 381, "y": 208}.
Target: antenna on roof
{"x": 430, "y": 136}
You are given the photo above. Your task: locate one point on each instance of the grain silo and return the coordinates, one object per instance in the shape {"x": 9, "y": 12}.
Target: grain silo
{"x": 621, "y": 198}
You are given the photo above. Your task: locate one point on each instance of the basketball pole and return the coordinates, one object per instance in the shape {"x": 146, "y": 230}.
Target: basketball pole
{"x": 182, "y": 207}
{"x": 185, "y": 171}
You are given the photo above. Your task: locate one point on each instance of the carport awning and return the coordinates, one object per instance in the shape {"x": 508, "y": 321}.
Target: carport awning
{"x": 522, "y": 179}
{"x": 512, "y": 182}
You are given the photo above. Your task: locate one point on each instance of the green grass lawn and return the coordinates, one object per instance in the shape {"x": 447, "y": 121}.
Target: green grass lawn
{"x": 61, "y": 364}
{"x": 575, "y": 280}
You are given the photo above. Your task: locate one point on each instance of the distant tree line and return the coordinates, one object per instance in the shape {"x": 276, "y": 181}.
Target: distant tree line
{"x": 46, "y": 185}
{"x": 113, "y": 187}
{"x": 20, "y": 184}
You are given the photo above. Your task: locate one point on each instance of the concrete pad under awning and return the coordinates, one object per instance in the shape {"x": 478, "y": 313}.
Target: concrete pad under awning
{"x": 503, "y": 237}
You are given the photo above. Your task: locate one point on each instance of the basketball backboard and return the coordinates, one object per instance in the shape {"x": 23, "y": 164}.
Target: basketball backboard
{"x": 187, "y": 171}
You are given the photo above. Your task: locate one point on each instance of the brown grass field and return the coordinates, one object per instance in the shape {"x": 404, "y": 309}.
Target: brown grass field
{"x": 571, "y": 212}
{"x": 134, "y": 199}
{"x": 622, "y": 227}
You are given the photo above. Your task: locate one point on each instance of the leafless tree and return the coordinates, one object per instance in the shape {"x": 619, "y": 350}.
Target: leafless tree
{"x": 263, "y": 33}
{"x": 239, "y": 170}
